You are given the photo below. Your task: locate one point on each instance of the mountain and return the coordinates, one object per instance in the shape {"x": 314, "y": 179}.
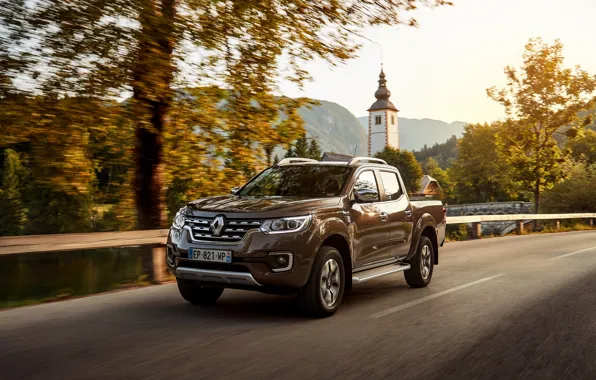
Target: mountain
{"x": 335, "y": 128}
{"x": 414, "y": 134}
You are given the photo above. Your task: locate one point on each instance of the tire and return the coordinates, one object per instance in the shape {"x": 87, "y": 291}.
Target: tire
{"x": 198, "y": 295}
{"x": 317, "y": 296}
{"x": 421, "y": 272}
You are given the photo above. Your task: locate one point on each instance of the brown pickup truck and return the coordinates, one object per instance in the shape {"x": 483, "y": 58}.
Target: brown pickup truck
{"x": 306, "y": 228}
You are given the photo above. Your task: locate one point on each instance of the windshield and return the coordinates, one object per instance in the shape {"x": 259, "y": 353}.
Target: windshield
{"x": 298, "y": 181}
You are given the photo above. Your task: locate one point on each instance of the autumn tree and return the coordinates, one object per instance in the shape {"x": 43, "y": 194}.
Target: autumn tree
{"x": 12, "y": 217}
{"x": 583, "y": 148}
{"x": 102, "y": 49}
{"x": 540, "y": 99}
{"x": 479, "y": 174}
{"x": 576, "y": 193}
{"x": 406, "y": 163}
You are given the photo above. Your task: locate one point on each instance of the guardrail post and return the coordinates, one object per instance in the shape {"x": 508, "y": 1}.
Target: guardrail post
{"x": 558, "y": 224}
{"x": 591, "y": 222}
{"x": 158, "y": 264}
{"x": 519, "y": 227}
{"x": 477, "y": 230}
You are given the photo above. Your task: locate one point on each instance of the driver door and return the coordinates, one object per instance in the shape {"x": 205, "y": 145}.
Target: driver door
{"x": 371, "y": 229}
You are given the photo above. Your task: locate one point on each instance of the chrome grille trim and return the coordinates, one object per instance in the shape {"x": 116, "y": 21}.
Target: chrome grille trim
{"x": 233, "y": 231}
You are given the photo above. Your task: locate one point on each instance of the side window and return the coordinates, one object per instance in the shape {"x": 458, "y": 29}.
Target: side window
{"x": 365, "y": 187}
{"x": 377, "y": 120}
{"x": 391, "y": 186}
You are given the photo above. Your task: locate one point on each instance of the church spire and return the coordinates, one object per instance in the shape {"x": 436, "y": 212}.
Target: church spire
{"x": 382, "y": 94}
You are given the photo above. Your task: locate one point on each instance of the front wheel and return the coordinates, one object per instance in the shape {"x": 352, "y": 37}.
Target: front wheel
{"x": 419, "y": 275}
{"x": 324, "y": 291}
{"x": 198, "y": 295}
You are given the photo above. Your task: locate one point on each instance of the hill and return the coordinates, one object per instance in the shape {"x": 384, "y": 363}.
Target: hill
{"x": 335, "y": 128}
{"x": 414, "y": 134}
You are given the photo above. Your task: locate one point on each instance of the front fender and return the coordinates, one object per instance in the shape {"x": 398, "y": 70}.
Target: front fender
{"x": 332, "y": 224}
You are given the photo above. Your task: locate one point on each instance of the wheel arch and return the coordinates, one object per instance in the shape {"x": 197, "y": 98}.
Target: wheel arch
{"x": 340, "y": 242}
{"x": 426, "y": 226}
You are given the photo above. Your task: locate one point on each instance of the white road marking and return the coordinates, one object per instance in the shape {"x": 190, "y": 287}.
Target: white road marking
{"x": 406, "y": 305}
{"x": 572, "y": 253}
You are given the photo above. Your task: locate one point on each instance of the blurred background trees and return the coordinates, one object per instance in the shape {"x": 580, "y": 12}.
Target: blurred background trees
{"x": 120, "y": 111}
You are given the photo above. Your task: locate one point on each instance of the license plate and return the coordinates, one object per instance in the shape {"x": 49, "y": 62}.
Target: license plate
{"x": 210, "y": 255}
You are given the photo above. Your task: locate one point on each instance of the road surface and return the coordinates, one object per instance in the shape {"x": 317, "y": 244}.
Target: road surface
{"x": 504, "y": 308}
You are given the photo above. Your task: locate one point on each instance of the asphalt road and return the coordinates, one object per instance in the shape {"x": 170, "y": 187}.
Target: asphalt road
{"x": 505, "y": 308}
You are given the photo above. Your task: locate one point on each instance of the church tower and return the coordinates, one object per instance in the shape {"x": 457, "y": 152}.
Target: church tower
{"x": 382, "y": 120}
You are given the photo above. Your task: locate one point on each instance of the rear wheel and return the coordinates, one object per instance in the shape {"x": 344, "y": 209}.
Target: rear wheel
{"x": 421, "y": 272}
{"x": 324, "y": 291}
{"x": 198, "y": 295}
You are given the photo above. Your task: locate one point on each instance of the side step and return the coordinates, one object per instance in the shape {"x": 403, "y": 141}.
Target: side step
{"x": 369, "y": 274}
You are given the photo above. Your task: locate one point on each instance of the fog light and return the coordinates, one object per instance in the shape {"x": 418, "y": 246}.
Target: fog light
{"x": 281, "y": 261}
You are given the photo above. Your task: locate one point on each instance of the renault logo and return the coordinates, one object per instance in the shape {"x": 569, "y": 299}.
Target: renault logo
{"x": 217, "y": 224}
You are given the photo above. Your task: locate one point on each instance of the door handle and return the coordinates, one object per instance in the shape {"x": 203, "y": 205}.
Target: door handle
{"x": 408, "y": 213}
{"x": 384, "y": 216}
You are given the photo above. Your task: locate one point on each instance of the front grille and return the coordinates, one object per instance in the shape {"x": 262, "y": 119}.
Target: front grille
{"x": 233, "y": 229}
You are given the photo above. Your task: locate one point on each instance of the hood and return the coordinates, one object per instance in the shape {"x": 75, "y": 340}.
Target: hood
{"x": 286, "y": 206}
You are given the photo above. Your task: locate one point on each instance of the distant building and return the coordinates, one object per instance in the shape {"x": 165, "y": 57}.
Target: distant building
{"x": 336, "y": 157}
{"x": 429, "y": 187}
{"x": 382, "y": 120}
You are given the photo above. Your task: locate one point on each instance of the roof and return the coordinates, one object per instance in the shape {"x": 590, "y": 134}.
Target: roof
{"x": 426, "y": 184}
{"x": 329, "y": 156}
{"x": 382, "y": 94}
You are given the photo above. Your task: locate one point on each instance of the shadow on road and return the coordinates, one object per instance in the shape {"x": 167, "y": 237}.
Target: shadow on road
{"x": 554, "y": 338}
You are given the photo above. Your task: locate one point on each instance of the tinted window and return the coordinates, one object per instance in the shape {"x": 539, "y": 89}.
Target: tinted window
{"x": 391, "y": 186}
{"x": 366, "y": 185}
{"x": 298, "y": 181}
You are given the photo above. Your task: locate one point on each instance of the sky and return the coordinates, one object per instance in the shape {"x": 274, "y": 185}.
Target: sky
{"x": 441, "y": 69}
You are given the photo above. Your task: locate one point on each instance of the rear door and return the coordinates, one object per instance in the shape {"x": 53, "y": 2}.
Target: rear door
{"x": 400, "y": 213}
{"x": 370, "y": 221}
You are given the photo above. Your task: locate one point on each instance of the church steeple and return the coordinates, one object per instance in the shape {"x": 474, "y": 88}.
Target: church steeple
{"x": 382, "y": 94}
{"x": 382, "y": 120}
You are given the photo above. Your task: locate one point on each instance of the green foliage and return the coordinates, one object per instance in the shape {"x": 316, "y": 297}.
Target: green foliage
{"x": 432, "y": 168}
{"x": 444, "y": 154}
{"x": 584, "y": 148}
{"x": 314, "y": 150}
{"x": 479, "y": 174}
{"x": 406, "y": 163}
{"x": 305, "y": 149}
{"x": 12, "y": 216}
{"x": 575, "y": 194}
{"x": 539, "y": 100}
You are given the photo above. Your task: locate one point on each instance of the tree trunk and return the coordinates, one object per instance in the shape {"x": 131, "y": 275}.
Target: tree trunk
{"x": 536, "y": 202}
{"x": 152, "y": 94}
{"x": 537, "y": 197}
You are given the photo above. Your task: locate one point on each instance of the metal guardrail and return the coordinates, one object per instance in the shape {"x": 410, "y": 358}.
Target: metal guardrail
{"x": 515, "y": 217}
{"x": 14, "y": 245}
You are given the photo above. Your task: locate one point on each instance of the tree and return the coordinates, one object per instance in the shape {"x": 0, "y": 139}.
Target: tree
{"x": 540, "y": 100}
{"x": 479, "y": 175}
{"x": 98, "y": 49}
{"x": 314, "y": 150}
{"x": 406, "y": 163}
{"x": 576, "y": 193}
{"x": 12, "y": 217}
{"x": 584, "y": 148}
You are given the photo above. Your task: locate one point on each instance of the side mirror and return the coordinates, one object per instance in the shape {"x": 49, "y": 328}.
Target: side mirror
{"x": 366, "y": 195}
{"x": 234, "y": 190}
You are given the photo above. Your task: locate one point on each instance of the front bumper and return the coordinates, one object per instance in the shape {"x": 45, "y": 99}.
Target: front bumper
{"x": 250, "y": 266}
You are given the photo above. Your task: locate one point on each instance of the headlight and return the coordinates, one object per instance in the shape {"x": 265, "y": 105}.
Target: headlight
{"x": 180, "y": 218}
{"x": 286, "y": 225}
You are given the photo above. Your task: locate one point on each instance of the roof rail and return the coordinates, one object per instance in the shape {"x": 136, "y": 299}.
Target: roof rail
{"x": 356, "y": 160}
{"x": 292, "y": 160}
